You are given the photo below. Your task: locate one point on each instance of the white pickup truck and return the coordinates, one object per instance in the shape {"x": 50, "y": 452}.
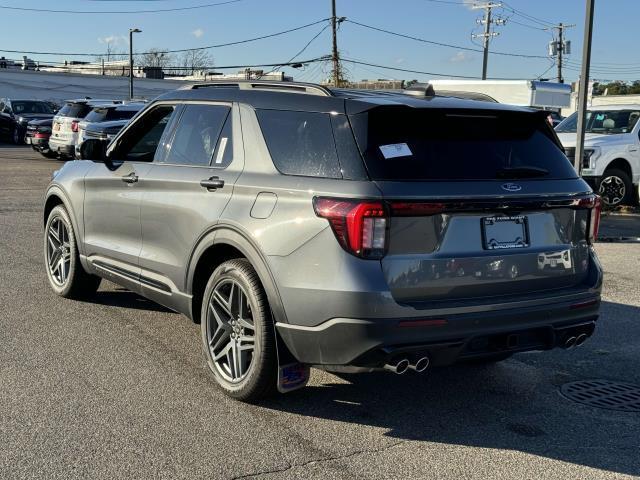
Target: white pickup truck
{"x": 611, "y": 164}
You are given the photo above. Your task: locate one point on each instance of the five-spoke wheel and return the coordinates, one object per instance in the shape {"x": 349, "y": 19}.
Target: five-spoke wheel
{"x": 62, "y": 260}
{"x": 238, "y": 336}
{"x": 230, "y": 330}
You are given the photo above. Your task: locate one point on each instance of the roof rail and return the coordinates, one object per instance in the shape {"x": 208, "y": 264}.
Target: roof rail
{"x": 283, "y": 86}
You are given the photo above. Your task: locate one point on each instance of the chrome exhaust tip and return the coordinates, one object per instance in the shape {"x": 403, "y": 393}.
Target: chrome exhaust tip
{"x": 580, "y": 339}
{"x": 399, "y": 367}
{"x": 570, "y": 343}
{"x": 421, "y": 365}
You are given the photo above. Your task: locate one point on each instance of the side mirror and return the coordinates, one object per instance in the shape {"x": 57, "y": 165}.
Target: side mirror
{"x": 94, "y": 149}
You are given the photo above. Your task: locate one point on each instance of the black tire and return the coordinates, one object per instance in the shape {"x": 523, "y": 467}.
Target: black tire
{"x": 609, "y": 188}
{"x": 260, "y": 378}
{"x": 77, "y": 283}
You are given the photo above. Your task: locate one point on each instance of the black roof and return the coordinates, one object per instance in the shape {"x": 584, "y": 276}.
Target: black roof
{"x": 317, "y": 98}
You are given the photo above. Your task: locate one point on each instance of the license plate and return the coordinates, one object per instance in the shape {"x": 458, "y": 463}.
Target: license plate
{"x": 505, "y": 232}
{"x": 56, "y": 127}
{"x": 554, "y": 262}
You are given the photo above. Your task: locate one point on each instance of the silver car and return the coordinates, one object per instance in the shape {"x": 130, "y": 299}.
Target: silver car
{"x": 342, "y": 229}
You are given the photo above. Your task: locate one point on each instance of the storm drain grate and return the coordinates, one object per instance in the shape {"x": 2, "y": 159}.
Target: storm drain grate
{"x": 623, "y": 397}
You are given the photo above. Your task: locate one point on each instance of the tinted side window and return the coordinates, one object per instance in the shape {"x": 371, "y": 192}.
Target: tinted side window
{"x": 141, "y": 141}
{"x": 300, "y": 143}
{"x": 197, "y": 134}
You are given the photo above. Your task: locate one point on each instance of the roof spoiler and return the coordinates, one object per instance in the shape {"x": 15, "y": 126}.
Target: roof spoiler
{"x": 420, "y": 90}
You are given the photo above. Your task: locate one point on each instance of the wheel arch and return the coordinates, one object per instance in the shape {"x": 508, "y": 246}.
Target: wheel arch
{"x": 56, "y": 196}
{"x": 619, "y": 163}
{"x": 214, "y": 248}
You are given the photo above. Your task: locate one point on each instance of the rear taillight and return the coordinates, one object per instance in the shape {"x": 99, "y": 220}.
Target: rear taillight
{"x": 359, "y": 226}
{"x": 415, "y": 209}
{"x": 594, "y": 204}
{"x": 74, "y": 126}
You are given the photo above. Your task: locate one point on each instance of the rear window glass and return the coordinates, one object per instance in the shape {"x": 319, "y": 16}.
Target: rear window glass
{"x": 106, "y": 114}
{"x": 300, "y": 143}
{"x": 74, "y": 110}
{"x": 31, "y": 107}
{"x": 408, "y": 144}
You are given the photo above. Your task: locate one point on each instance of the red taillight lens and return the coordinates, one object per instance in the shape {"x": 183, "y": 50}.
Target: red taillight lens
{"x": 594, "y": 204}
{"x": 415, "y": 209}
{"x": 42, "y": 135}
{"x": 359, "y": 226}
{"x": 74, "y": 126}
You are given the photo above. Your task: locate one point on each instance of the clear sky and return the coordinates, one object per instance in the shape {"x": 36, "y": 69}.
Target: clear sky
{"x": 615, "y": 52}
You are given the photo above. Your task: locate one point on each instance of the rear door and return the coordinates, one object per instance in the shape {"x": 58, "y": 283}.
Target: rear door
{"x": 482, "y": 203}
{"x": 185, "y": 192}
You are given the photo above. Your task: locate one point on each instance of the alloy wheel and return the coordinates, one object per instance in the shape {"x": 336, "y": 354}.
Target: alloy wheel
{"x": 230, "y": 331}
{"x": 612, "y": 190}
{"x": 58, "y": 251}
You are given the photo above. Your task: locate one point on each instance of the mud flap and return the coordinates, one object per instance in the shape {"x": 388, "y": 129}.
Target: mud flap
{"x": 292, "y": 375}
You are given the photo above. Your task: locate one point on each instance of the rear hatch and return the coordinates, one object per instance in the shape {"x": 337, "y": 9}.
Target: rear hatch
{"x": 66, "y": 123}
{"x": 481, "y": 203}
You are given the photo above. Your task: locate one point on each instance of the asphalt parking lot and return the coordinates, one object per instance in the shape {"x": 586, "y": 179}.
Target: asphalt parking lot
{"x": 116, "y": 388}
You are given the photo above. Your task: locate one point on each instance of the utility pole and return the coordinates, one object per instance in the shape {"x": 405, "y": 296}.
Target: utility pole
{"x": 560, "y": 47}
{"x": 131, "y": 32}
{"x": 334, "y": 52}
{"x": 487, "y": 22}
{"x": 583, "y": 89}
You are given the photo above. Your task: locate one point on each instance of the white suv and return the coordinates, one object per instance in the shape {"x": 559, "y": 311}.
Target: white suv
{"x": 611, "y": 164}
{"x": 65, "y": 127}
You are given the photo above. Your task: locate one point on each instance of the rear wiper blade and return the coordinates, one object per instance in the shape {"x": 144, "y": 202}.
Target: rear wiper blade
{"x": 521, "y": 172}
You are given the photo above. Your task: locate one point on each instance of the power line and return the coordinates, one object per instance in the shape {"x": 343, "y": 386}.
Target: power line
{"x": 441, "y": 44}
{"x": 301, "y": 51}
{"x": 238, "y": 42}
{"x": 88, "y": 12}
{"x": 522, "y": 14}
{"x": 406, "y": 70}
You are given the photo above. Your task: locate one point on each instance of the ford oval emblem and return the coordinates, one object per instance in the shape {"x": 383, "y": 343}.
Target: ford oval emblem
{"x": 511, "y": 187}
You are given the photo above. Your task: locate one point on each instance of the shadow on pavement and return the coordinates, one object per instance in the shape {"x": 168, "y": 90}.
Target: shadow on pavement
{"x": 126, "y": 299}
{"x": 513, "y": 405}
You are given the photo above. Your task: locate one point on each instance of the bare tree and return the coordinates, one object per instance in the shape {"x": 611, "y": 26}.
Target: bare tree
{"x": 194, "y": 60}
{"x": 156, "y": 58}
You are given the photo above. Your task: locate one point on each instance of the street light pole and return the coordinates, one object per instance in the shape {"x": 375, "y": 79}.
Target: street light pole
{"x": 583, "y": 88}
{"x": 131, "y": 32}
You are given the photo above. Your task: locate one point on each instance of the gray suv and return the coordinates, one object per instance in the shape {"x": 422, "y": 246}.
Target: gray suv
{"x": 342, "y": 229}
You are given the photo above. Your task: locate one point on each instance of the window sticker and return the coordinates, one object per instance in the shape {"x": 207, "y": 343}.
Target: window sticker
{"x": 223, "y": 147}
{"x": 395, "y": 150}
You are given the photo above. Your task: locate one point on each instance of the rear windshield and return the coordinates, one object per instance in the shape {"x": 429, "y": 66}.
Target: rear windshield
{"x": 399, "y": 143}
{"x": 74, "y": 110}
{"x": 106, "y": 114}
{"x": 20, "y": 107}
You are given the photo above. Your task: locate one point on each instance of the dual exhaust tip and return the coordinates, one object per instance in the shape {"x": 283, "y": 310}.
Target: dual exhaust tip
{"x": 575, "y": 341}
{"x": 403, "y": 365}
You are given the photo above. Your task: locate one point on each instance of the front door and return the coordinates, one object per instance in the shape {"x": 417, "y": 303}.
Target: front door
{"x": 112, "y": 236}
{"x": 185, "y": 192}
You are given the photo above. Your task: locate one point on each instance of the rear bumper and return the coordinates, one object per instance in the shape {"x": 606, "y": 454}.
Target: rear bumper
{"x": 62, "y": 148}
{"x": 372, "y": 343}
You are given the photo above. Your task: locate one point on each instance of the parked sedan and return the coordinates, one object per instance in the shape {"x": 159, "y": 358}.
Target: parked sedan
{"x": 38, "y": 133}
{"x": 106, "y": 114}
{"x": 16, "y": 114}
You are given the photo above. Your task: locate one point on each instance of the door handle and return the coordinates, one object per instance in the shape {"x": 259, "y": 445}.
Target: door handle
{"x": 212, "y": 183}
{"x": 131, "y": 178}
